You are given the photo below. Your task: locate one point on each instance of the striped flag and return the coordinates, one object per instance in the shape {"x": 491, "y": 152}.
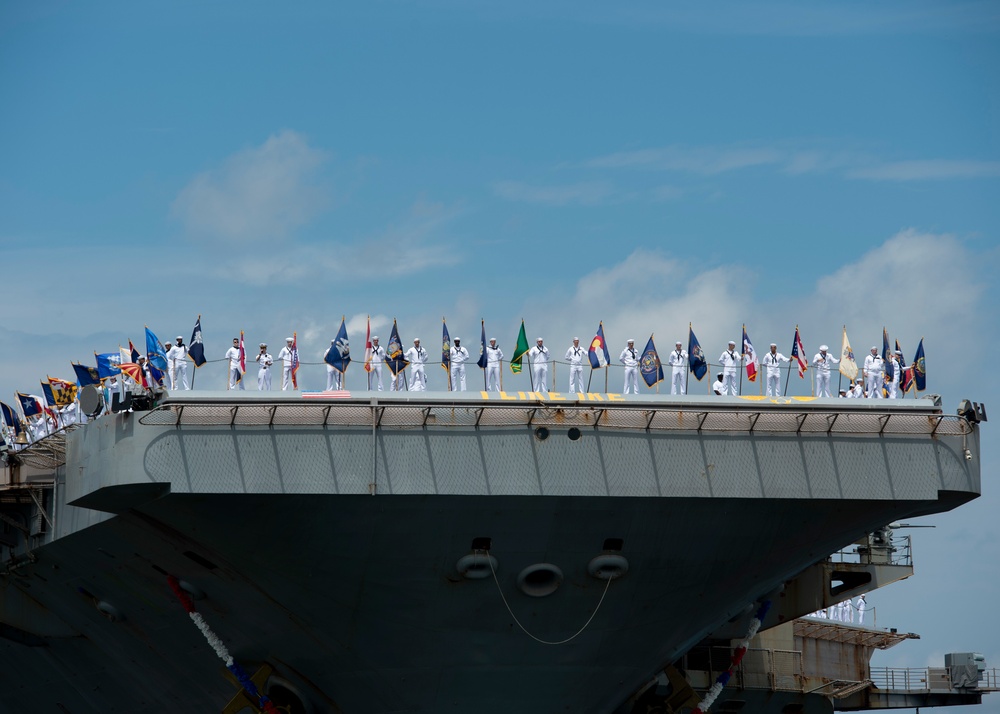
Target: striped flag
{"x": 749, "y": 356}
{"x": 799, "y": 354}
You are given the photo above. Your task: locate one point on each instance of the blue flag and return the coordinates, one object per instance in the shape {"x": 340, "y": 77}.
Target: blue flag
{"x": 154, "y": 349}
{"x": 598, "y": 352}
{"x": 196, "y": 349}
{"x": 649, "y": 364}
{"x": 482, "y": 347}
{"x": 156, "y": 374}
{"x": 30, "y": 405}
{"x": 86, "y": 375}
{"x": 50, "y": 398}
{"x": 696, "y": 356}
{"x": 886, "y": 354}
{"x": 10, "y": 418}
{"x": 339, "y": 354}
{"x": 107, "y": 364}
{"x": 445, "y": 348}
{"x": 919, "y": 370}
{"x": 394, "y": 352}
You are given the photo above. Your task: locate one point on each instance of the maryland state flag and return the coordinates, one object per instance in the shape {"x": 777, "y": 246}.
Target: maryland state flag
{"x": 649, "y": 364}
{"x": 520, "y": 350}
{"x": 63, "y": 392}
{"x": 696, "y": 356}
{"x": 394, "y": 352}
{"x": 598, "y": 352}
{"x": 919, "y": 369}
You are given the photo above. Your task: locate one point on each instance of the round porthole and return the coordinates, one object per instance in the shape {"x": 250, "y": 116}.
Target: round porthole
{"x": 574, "y": 434}
{"x": 476, "y": 566}
{"x": 540, "y": 579}
{"x": 541, "y": 433}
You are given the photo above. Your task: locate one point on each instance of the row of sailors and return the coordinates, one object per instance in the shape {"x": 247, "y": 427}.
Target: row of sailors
{"x": 577, "y": 358}
{"x": 843, "y": 611}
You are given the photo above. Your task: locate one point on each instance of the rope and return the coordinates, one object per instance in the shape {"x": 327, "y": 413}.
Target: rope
{"x": 525, "y": 631}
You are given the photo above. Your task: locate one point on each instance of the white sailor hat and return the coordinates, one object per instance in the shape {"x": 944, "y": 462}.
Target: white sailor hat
{"x": 333, "y": 342}
{"x": 823, "y": 348}
{"x": 493, "y": 339}
{"x": 874, "y": 347}
{"x": 630, "y": 340}
{"x": 732, "y": 342}
{"x": 678, "y": 342}
{"x": 263, "y": 344}
{"x": 374, "y": 337}
{"x": 416, "y": 339}
{"x": 289, "y": 339}
{"x": 456, "y": 339}
{"x": 576, "y": 339}
{"x": 897, "y": 352}
{"x": 539, "y": 339}
{"x": 179, "y": 337}
{"x": 774, "y": 344}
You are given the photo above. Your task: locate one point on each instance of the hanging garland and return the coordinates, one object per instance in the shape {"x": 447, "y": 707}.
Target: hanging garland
{"x": 220, "y": 649}
{"x": 723, "y": 679}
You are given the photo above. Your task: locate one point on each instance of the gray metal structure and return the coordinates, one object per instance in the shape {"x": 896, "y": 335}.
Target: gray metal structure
{"x": 324, "y": 535}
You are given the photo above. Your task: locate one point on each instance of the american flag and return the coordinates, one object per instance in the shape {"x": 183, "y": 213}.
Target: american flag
{"x": 799, "y": 353}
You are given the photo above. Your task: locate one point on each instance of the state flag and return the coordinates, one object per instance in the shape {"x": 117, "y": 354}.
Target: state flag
{"x": 598, "y": 352}
{"x": 848, "y": 365}
{"x": 520, "y": 350}
{"x": 196, "y": 349}
{"x": 155, "y": 353}
{"x": 696, "y": 355}
{"x": 649, "y": 365}
{"x": 339, "y": 354}
{"x": 919, "y": 368}
{"x": 445, "y": 349}
{"x": 749, "y": 356}
{"x": 394, "y": 352}
{"x": 86, "y": 376}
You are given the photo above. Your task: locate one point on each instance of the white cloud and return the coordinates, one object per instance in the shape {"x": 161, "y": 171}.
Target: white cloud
{"x": 706, "y": 160}
{"x": 259, "y": 193}
{"x": 929, "y": 170}
{"x": 588, "y": 193}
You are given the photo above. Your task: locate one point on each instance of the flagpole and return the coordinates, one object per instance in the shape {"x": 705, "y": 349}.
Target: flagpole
{"x": 590, "y": 378}
{"x": 606, "y": 378}
{"x": 743, "y": 356}
{"x": 789, "y": 375}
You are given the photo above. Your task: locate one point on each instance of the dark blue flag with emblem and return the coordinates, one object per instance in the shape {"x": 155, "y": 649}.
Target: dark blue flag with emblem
{"x": 86, "y": 375}
{"x": 30, "y": 404}
{"x": 696, "y": 356}
{"x": 154, "y": 351}
{"x": 886, "y": 355}
{"x": 649, "y": 364}
{"x": 919, "y": 369}
{"x": 598, "y": 352}
{"x": 339, "y": 354}
{"x": 107, "y": 364}
{"x": 445, "y": 349}
{"x": 482, "y": 347}
{"x": 196, "y": 348}
{"x": 10, "y": 418}
{"x": 394, "y": 352}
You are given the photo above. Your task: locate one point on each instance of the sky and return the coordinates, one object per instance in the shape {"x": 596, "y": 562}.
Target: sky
{"x": 276, "y": 169}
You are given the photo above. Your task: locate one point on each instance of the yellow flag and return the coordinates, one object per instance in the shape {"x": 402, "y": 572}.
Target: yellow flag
{"x": 848, "y": 367}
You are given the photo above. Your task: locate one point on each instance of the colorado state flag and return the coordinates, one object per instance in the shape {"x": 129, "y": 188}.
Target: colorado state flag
{"x": 598, "y": 352}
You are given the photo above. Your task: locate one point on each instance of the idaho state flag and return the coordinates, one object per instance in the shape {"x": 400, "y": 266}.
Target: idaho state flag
{"x": 598, "y": 352}
{"x": 696, "y": 356}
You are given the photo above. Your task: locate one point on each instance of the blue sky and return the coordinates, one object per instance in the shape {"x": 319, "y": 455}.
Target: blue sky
{"x": 273, "y": 169}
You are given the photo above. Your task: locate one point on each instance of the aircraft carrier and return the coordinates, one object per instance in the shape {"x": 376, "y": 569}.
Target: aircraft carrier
{"x": 433, "y": 552}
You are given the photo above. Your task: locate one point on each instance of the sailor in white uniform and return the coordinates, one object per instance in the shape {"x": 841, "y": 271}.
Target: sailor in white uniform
{"x": 334, "y": 377}
{"x": 730, "y": 361}
{"x": 417, "y": 357}
{"x": 862, "y": 606}
{"x": 539, "y": 357}
{"x": 873, "y": 370}
{"x": 630, "y": 358}
{"x": 375, "y": 375}
{"x": 772, "y": 360}
{"x": 264, "y": 360}
{"x": 822, "y": 362}
{"x": 459, "y": 356}
{"x": 678, "y": 360}
{"x": 494, "y": 358}
{"x": 286, "y": 364}
{"x": 892, "y": 385}
{"x": 177, "y": 361}
{"x": 575, "y": 356}
{"x": 235, "y": 374}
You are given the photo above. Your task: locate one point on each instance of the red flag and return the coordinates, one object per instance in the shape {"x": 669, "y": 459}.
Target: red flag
{"x": 134, "y": 371}
{"x": 799, "y": 354}
{"x": 243, "y": 355}
{"x": 368, "y": 346}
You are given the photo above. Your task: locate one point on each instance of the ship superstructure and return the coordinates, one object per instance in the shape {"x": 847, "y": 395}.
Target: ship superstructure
{"x": 416, "y": 552}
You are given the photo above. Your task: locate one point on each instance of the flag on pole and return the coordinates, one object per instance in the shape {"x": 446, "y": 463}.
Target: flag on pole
{"x": 885, "y": 356}
{"x": 482, "y": 347}
{"x": 598, "y": 352}
{"x": 339, "y": 356}
{"x": 10, "y": 418}
{"x": 445, "y": 349}
{"x": 243, "y": 359}
{"x": 196, "y": 350}
{"x": 295, "y": 359}
{"x": 520, "y": 350}
{"x": 50, "y": 398}
{"x": 368, "y": 346}
{"x": 30, "y": 404}
{"x": 85, "y": 376}
{"x": 126, "y": 355}
{"x": 749, "y": 356}
{"x": 905, "y": 373}
{"x": 919, "y": 369}
{"x": 133, "y": 353}
{"x": 134, "y": 371}
{"x": 696, "y": 356}
{"x": 649, "y": 364}
{"x": 394, "y": 352}
{"x": 848, "y": 365}
{"x": 63, "y": 392}
{"x": 154, "y": 351}
{"x": 107, "y": 364}
{"x": 799, "y": 354}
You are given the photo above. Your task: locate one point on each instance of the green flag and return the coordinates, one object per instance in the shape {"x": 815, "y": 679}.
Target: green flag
{"x": 519, "y": 351}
